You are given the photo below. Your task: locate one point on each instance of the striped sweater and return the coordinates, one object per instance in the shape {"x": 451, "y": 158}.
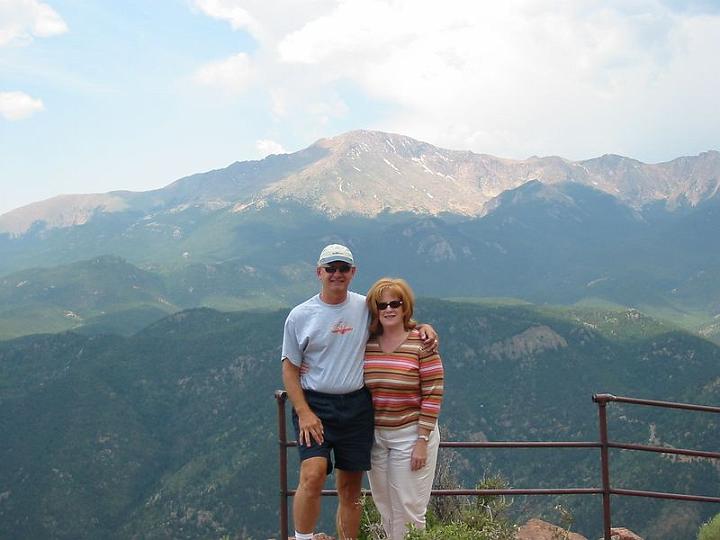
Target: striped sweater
{"x": 406, "y": 384}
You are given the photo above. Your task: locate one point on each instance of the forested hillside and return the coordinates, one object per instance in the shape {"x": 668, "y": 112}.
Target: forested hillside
{"x": 171, "y": 432}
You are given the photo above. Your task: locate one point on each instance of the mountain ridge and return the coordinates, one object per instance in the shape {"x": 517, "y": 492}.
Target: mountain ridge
{"x": 370, "y": 172}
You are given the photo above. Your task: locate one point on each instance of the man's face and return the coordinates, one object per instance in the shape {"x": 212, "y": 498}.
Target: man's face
{"x": 335, "y": 277}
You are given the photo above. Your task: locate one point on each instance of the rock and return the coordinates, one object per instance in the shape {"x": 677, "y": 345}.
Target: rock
{"x": 533, "y": 341}
{"x": 621, "y": 533}
{"x": 537, "y": 529}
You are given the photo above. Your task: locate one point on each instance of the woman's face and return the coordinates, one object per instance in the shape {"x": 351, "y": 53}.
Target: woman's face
{"x": 390, "y": 317}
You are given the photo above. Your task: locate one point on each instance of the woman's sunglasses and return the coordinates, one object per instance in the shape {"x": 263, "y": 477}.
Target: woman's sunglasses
{"x": 343, "y": 269}
{"x": 393, "y": 304}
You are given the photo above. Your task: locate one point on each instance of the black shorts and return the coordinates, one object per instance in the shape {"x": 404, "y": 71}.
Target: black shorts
{"x": 348, "y": 424}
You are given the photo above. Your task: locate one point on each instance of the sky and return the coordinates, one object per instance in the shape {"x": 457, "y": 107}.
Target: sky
{"x": 102, "y": 95}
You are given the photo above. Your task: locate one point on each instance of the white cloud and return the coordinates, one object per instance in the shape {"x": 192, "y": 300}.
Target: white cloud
{"x": 18, "y": 105}
{"x": 21, "y": 20}
{"x": 513, "y": 78}
{"x": 354, "y": 27}
{"x": 266, "y": 147}
{"x": 278, "y": 100}
{"x": 233, "y": 12}
{"x": 325, "y": 111}
{"x": 232, "y": 75}
{"x": 267, "y": 21}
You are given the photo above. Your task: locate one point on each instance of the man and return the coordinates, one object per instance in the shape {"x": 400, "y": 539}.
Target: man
{"x": 322, "y": 369}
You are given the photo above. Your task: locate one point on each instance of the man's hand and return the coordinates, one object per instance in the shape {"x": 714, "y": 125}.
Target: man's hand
{"x": 429, "y": 337}
{"x": 310, "y": 425}
{"x": 311, "y": 428}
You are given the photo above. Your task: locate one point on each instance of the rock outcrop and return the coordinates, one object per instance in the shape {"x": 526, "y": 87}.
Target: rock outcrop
{"x": 621, "y": 533}
{"x": 537, "y": 529}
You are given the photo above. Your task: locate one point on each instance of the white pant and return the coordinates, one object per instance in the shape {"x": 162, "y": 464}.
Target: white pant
{"x": 400, "y": 494}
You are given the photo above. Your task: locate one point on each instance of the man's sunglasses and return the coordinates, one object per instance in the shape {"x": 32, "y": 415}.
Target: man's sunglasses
{"x": 394, "y": 304}
{"x": 343, "y": 269}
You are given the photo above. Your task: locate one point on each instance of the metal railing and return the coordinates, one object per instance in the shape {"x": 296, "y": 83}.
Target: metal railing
{"x": 604, "y": 444}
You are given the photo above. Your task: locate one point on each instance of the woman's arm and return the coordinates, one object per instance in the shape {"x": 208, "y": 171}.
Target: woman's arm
{"x": 432, "y": 378}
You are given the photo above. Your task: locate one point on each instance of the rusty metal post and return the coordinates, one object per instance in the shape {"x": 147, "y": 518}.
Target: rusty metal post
{"x": 281, "y": 397}
{"x": 602, "y": 400}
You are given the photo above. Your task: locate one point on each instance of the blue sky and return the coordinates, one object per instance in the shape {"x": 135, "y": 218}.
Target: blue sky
{"x": 98, "y": 95}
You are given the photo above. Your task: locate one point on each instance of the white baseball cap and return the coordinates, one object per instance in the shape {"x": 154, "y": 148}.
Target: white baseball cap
{"x": 335, "y": 252}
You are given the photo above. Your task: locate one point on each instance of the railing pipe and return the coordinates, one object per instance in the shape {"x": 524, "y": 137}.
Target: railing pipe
{"x": 665, "y": 450}
{"x": 486, "y": 492}
{"x": 655, "y": 403}
{"x": 661, "y": 495}
{"x": 518, "y": 491}
{"x": 281, "y": 396}
{"x": 507, "y": 444}
{"x": 519, "y": 444}
{"x": 605, "y": 467}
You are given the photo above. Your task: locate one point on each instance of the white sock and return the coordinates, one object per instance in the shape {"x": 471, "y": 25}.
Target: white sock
{"x": 303, "y": 536}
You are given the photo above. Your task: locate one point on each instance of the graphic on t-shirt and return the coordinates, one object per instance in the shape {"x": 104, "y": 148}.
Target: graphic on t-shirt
{"x": 341, "y": 328}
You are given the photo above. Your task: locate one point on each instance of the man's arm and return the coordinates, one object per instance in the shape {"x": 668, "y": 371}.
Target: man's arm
{"x": 429, "y": 337}
{"x": 310, "y": 424}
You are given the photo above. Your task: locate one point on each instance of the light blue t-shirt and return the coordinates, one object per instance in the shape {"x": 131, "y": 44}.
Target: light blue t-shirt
{"x": 327, "y": 342}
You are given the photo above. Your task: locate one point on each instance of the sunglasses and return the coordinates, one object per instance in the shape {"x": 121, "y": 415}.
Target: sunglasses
{"x": 394, "y": 304}
{"x": 343, "y": 269}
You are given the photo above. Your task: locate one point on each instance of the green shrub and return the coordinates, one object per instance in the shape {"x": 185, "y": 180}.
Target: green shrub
{"x": 462, "y": 518}
{"x": 370, "y": 526}
{"x": 711, "y": 530}
{"x": 454, "y": 531}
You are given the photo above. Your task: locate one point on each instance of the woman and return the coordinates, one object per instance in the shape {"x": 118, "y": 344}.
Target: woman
{"x": 406, "y": 383}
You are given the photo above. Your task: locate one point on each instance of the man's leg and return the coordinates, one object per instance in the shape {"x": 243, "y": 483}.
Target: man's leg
{"x": 349, "y": 487}
{"x": 306, "y": 504}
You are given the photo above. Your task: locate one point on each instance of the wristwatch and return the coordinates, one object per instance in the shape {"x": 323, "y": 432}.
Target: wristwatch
{"x": 425, "y": 438}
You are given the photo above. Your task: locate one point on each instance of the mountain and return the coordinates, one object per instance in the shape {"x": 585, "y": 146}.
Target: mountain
{"x": 171, "y": 432}
{"x": 562, "y": 243}
{"x": 366, "y": 173}
{"x": 105, "y": 293}
{"x": 110, "y": 437}
{"x": 544, "y": 229}
{"x": 610, "y": 229}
